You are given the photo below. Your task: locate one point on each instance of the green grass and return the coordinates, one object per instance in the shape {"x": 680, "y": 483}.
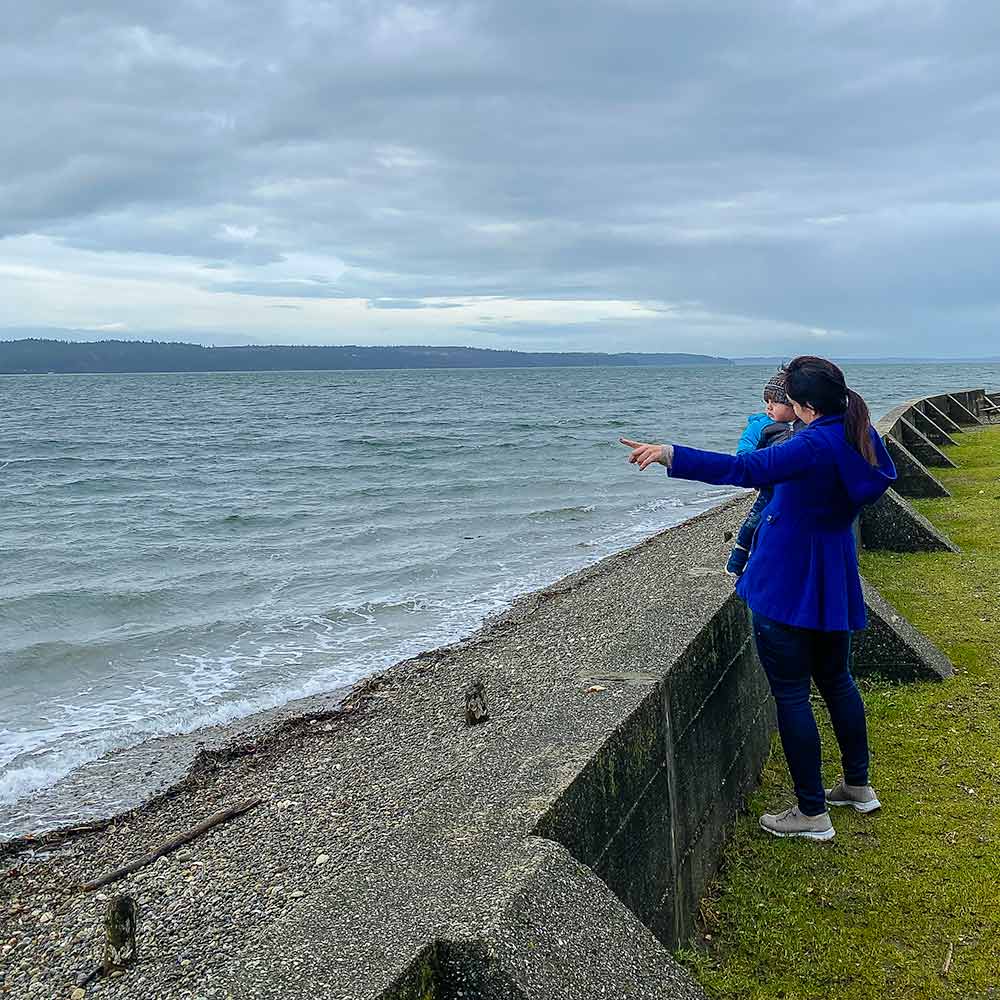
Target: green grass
{"x": 874, "y": 913}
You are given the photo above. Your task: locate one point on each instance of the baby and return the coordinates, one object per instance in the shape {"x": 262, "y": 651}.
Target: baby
{"x": 777, "y": 424}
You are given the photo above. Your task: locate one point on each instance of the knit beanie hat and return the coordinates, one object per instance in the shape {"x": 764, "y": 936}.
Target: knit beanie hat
{"x": 775, "y": 388}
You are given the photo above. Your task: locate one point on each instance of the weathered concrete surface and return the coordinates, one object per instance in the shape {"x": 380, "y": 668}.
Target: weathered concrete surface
{"x": 891, "y": 523}
{"x": 892, "y": 648}
{"x": 914, "y": 479}
{"x": 932, "y": 430}
{"x": 685, "y": 760}
{"x": 921, "y": 445}
{"x": 939, "y": 415}
{"x": 533, "y": 949}
{"x": 958, "y": 409}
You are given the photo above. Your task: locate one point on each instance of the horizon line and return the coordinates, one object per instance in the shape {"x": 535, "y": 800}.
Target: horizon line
{"x": 762, "y": 358}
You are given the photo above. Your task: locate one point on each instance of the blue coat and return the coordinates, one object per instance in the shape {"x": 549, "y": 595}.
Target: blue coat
{"x": 803, "y": 568}
{"x": 750, "y": 437}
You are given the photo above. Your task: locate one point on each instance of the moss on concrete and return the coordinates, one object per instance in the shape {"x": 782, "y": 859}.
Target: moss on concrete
{"x": 877, "y": 912}
{"x": 420, "y": 981}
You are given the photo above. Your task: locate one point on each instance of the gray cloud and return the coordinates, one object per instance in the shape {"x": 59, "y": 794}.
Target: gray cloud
{"x": 780, "y": 166}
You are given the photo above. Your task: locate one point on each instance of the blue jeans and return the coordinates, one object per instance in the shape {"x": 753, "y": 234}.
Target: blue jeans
{"x": 744, "y": 537}
{"x": 791, "y": 658}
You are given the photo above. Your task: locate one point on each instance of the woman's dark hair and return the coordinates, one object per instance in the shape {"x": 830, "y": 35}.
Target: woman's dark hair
{"x": 820, "y": 384}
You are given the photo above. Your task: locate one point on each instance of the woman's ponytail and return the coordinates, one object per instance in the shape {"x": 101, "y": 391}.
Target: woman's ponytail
{"x": 820, "y": 384}
{"x": 856, "y": 426}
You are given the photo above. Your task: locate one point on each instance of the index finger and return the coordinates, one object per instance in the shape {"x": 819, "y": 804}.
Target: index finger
{"x": 630, "y": 444}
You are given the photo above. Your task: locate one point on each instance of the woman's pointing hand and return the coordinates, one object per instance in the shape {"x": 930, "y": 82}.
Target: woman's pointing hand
{"x": 646, "y": 454}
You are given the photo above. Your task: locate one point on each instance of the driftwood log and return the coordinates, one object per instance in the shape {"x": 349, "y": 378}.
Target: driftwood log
{"x": 171, "y": 845}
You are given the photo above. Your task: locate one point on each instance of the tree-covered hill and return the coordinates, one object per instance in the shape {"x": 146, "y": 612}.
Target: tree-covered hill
{"x": 60, "y": 356}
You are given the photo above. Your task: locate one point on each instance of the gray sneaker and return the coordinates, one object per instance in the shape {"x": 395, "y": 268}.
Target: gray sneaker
{"x": 861, "y": 797}
{"x": 792, "y": 823}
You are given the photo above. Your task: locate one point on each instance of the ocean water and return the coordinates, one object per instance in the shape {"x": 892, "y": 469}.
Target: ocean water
{"x": 183, "y": 551}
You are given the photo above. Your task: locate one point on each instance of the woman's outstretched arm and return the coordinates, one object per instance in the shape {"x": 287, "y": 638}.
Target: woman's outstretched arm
{"x": 766, "y": 467}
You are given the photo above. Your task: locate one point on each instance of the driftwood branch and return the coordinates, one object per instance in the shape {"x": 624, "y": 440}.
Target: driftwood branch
{"x": 171, "y": 845}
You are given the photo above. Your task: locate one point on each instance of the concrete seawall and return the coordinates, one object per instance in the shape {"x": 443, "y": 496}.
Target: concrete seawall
{"x": 648, "y": 811}
{"x": 557, "y": 850}
{"x": 918, "y": 434}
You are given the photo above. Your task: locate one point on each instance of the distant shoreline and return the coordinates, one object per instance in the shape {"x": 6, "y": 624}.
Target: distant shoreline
{"x": 743, "y": 363}
{"x": 54, "y": 357}
{"x": 308, "y": 371}
{"x": 39, "y": 356}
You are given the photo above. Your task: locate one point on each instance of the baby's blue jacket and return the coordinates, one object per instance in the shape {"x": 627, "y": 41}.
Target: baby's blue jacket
{"x": 803, "y": 570}
{"x": 756, "y": 423}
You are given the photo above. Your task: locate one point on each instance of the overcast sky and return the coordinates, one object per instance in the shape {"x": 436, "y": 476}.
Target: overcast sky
{"x": 737, "y": 178}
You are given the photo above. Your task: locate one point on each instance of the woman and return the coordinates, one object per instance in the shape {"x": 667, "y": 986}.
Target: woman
{"x": 801, "y": 582}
